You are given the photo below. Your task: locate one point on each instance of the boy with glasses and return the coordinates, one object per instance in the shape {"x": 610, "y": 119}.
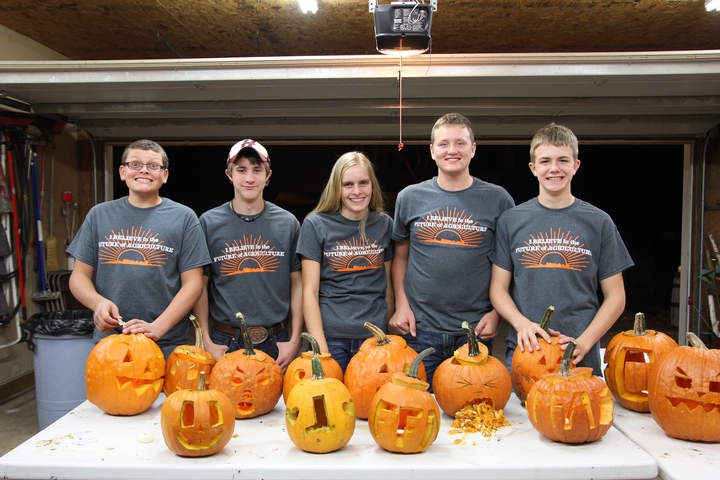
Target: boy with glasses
{"x": 139, "y": 259}
{"x": 254, "y": 268}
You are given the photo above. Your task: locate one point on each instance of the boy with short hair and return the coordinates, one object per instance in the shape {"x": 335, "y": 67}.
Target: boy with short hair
{"x": 140, "y": 257}
{"x": 254, "y": 268}
{"x": 557, "y": 250}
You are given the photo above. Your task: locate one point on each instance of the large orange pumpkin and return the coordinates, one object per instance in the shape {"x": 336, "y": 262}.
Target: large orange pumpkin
{"x": 197, "y": 422}
{"x": 528, "y": 367}
{"x": 684, "y": 392}
{"x": 471, "y": 376}
{"x": 404, "y": 416}
{"x": 629, "y": 356}
{"x": 319, "y": 413}
{"x": 373, "y": 365}
{"x": 251, "y": 378}
{"x": 186, "y": 362}
{"x": 124, "y": 374}
{"x": 301, "y": 367}
{"x": 571, "y": 406}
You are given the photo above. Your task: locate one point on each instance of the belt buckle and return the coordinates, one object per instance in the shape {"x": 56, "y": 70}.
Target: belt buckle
{"x": 258, "y": 334}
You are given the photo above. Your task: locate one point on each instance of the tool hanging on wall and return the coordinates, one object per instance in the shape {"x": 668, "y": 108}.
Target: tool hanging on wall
{"x": 67, "y": 198}
{"x": 19, "y": 249}
{"x": 51, "y": 260}
{"x": 45, "y": 294}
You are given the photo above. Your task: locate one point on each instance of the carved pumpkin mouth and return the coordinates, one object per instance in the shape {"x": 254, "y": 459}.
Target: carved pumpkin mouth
{"x": 195, "y": 445}
{"x": 140, "y": 385}
{"x": 693, "y": 404}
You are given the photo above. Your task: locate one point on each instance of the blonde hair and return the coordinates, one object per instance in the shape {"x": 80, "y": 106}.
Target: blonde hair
{"x": 452, "y": 120}
{"x": 331, "y": 196}
{"x": 556, "y": 135}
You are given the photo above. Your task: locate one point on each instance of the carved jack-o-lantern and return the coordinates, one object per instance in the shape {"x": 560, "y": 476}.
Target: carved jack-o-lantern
{"x": 198, "y": 422}
{"x": 629, "y": 356}
{"x": 319, "y": 413}
{"x": 301, "y": 367}
{"x": 404, "y": 416}
{"x": 571, "y": 406}
{"x": 471, "y": 376}
{"x": 251, "y": 378}
{"x": 186, "y": 362}
{"x": 124, "y": 374}
{"x": 684, "y": 392}
{"x": 373, "y": 365}
{"x": 528, "y": 367}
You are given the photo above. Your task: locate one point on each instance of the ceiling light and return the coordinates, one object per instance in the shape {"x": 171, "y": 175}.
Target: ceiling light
{"x": 402, "y": 27}
{"x": 308, "y": 6}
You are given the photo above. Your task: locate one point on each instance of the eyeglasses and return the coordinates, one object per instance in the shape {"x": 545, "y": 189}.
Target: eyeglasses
{"x": 152, "y": 167}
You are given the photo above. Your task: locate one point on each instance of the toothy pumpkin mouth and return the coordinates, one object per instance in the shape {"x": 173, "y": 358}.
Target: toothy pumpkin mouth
{"x": 140, "y": 384}
{"x": 693, "y": 404}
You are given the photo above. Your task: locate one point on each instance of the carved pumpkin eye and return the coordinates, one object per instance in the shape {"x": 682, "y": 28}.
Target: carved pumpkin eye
{"x": 682, "y": 380}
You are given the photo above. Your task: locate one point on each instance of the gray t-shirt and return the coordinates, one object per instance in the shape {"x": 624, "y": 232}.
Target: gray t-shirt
{"x": 558, "y": 257}
{"x": 251, "y": 264}
{"x": 138, "y": 255}
{"x": 451, "y": 233}
{"x": 352, "y": 270}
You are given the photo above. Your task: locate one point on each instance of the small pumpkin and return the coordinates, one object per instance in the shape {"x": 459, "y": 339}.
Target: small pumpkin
{"x": 404, "y": 416}
{"x": 373, "y": 365}
{"x": 630, "y": 356}
{"x": 319, "y": 412}
{"x": 684, "y": 392}
{"x": 197, "y": 422}
{"x": 124, "y": 374}
{"x": 571, "y": 406}
{"x": 471, "y": 376}
{"x": 528, "y": 367}
{"x": 186, "y": 362}
{"x": 251, "y": 378}
{"x": 301, "y": 367}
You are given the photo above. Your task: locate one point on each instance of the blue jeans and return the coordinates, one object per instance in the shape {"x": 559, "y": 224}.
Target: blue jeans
{"x": 343, "y": 349}
{"x": 444, "y": 345}
{"x": 268, "y": 346}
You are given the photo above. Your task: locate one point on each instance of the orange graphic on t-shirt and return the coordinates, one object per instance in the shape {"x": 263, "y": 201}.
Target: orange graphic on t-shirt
{"x": 249, "y": 256}
{"x": 450, "y": 228}
{"x": 555, "y": 250}
{"x": 133, "y": 247}
{"x": 355, "y": 255}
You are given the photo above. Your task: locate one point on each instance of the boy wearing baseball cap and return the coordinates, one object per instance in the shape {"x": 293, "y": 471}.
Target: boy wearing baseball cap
{"x": 254, "y": 269}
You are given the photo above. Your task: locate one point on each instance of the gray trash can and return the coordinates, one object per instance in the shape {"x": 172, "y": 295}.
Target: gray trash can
{"x": 61, "y": 343}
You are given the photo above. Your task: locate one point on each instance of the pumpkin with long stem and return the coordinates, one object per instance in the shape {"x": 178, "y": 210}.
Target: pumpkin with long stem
{"x": 571, "y": 406}
{"x": 197, "y": 422}
{"x": 528, "y": 367}
{"x": 471, "y": 376}
{"x": 404, "y": 416}
{"x": 124, "y": 374}
{"x": 319, "y": 412}
{"x": 373, "y": 365}
{"x": 684, "y": 392}
{"x": 301, "y": 367}
{"x": 251, "y": 378}
{"x": 630, "y": 355}
{"x": 186, "y": 362}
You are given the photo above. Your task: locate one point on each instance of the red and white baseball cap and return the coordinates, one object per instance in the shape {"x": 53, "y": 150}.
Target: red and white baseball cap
{"x": 247, "y": 143}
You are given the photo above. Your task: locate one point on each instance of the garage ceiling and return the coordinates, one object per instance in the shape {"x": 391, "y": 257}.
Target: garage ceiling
{"x": 214, "y": 70}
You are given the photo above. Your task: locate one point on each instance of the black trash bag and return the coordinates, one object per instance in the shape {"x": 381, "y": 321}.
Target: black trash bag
{"x": 69, "y": 322}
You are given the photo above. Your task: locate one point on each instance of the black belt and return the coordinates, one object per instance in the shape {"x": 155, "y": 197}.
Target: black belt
{"x": 257, "y": 334}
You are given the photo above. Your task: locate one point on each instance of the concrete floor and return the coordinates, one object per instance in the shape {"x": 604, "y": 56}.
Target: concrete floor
{"x": 18, "y": 420}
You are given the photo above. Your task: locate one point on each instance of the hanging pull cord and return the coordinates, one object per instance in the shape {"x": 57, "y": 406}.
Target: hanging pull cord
{"x": 400, "y": 145}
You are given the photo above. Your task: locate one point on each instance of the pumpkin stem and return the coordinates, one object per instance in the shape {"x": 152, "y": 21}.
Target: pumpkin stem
{"x": 639, "y": 327}
{"x": 566, "y": 362}
{"x": 545, "y": 322}
{"x": 379, "y": 335}
{"x": 247, "y": 341}
{"x": 415, "y": 365}
{"x": 199, "y": 340}
{"x": 473, "y": 348}
{"x": 695, "y": 341}
{"x": 313, "y": 343}
{"x": 202, "y": 385}
{"x": 317, "y": 371}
